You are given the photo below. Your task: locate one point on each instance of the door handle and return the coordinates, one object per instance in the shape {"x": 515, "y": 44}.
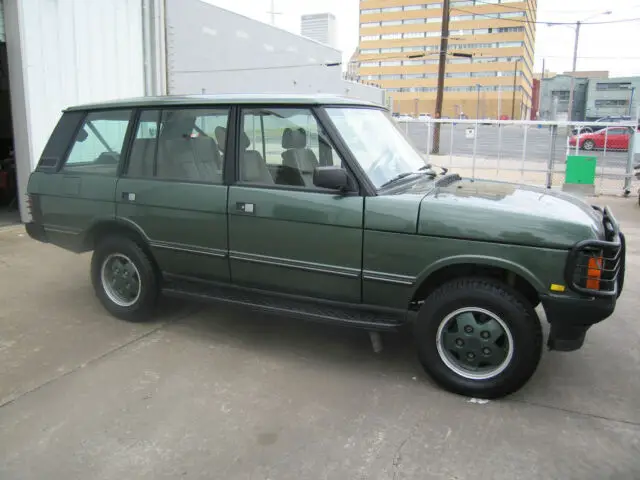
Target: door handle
{"x": 129, "y": 196}
{"x": 246, "y": 207}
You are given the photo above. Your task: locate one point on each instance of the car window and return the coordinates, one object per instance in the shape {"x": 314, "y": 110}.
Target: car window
{"x": 98, "y": 143}
{"x": 617, "y": 131}
{"x": 180, "y": 144}
{"x": 283, "y": 146}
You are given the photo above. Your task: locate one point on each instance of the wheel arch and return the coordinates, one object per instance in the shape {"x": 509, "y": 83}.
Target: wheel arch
{"x": 444, "y": 270}
{"x": 117, "y": 226}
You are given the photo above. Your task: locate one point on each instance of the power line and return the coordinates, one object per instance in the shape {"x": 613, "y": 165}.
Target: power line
{"x": 590, "y": 58}
{"x": 489, "y": 15}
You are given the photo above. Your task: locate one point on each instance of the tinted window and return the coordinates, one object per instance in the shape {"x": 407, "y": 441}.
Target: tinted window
{"x": 180, "y": 144}
{"x": 98, "y": 143}
{"x": 143, "y": 149}
{"x": 283, "y": 146}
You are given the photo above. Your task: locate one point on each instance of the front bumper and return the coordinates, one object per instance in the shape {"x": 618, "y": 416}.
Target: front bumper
{"x": 570, "y": 318}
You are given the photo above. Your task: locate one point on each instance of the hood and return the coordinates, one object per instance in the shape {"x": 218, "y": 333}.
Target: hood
{"x": 508, "y": 213}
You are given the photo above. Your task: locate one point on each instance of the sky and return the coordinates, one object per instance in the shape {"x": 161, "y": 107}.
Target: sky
{"x": 612, "y": 47}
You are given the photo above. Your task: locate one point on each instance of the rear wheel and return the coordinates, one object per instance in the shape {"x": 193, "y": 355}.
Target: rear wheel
{"x": 124, "y": 279}
{"x": 588, "y": 145}
{"x": 476, "y": 337}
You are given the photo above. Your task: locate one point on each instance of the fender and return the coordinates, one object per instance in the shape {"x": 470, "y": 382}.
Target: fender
{"x": 116, "y": 222}
{"x": 479, "y": 260}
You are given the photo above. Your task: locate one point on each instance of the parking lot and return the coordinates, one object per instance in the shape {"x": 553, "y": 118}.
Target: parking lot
{"x": 506, "y": 142}
{"x": 212, "y": 393}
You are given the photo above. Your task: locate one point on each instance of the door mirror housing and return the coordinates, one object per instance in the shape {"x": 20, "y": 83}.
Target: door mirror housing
{"x": 334, "y": 178}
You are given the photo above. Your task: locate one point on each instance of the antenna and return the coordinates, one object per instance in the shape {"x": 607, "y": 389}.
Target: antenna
{"x": 273, "y": 12}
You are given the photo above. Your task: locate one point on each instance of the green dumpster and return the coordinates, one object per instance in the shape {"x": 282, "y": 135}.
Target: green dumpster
{"x": 580, "y": 169}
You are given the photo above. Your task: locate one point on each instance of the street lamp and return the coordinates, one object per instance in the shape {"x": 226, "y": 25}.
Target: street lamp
{"x": 575, "y": 57}
{"x": 478, "y": 86}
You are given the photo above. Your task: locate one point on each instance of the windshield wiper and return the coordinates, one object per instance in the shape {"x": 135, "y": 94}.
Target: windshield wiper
{"x": 429, "y": 166}
{"x": 422, "y": 170}
{"x": 396, "y": 178}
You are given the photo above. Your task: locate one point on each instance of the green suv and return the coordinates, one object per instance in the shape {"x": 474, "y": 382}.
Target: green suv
{"x": 318, "y": 207}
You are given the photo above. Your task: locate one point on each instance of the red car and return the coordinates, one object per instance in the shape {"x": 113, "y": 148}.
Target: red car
{"x": 616, "y": 138}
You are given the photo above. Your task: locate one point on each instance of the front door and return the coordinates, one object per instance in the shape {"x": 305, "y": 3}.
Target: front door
{"x": 172, "y": 190}
{"x": 285, "y": 234}
{"x": 617, "y": 138}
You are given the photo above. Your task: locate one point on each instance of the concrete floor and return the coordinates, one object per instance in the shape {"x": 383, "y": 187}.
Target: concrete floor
{"x": 209, "y": 393}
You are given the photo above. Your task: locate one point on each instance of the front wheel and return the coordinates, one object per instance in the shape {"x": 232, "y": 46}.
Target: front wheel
{"x": 476, "y": 337}
{"x": 588, "y": 145}
{"x": 124, "y": 279}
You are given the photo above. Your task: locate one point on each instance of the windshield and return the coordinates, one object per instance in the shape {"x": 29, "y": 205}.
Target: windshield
{"x": 379, "y": 146}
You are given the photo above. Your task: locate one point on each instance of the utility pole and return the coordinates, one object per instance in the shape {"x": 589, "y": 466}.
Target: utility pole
{"x": 513, "y": 97}
{"x": 273, "y": 12}
{"x": 444, "y": 45}
{"x": 573, "y": 72}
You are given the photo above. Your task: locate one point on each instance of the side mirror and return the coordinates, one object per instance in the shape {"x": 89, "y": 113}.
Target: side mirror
{"x": 334, "y": 178}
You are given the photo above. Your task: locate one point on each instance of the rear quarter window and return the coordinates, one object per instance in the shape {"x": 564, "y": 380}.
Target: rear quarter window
{"x": 98, "y": 143}
{"x": 58, "y": 143}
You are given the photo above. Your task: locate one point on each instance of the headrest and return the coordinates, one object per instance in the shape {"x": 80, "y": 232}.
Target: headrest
{"x": 221, "y": 137}
{"x": 179, "y": 124}
{"x": 244, "y": 141}
{"x": 294, "y": 138}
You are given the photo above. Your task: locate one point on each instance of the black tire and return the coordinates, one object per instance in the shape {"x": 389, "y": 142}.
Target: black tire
{"x": 588, "y": 145}
{"x": 500, "y": 300}
{"x": 144, "y": 302}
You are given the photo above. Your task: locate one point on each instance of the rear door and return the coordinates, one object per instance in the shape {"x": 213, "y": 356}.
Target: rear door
{"x": 172, "y": 190}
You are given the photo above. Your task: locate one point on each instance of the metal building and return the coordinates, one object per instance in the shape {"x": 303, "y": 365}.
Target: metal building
{"x": 64, "y": 52}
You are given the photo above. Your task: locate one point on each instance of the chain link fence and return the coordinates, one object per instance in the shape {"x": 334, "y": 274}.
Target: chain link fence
{"x": 528, "y": 151}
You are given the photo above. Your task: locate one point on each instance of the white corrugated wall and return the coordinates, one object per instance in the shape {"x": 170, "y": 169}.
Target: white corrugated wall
{"x": 65, "y": 52}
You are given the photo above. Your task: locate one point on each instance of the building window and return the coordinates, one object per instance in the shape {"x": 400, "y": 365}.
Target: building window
{"x": 391, "y": 23}
{"x": 434, "y": 20}
{"x": 612, "y": 103}
{"x": 369, "y": 38}
{"x": 512, "y": 15}
{"x": 412, "y": 62}
{"x": 484, "y": 74}
{"x": 480, "y": 31}
{"x": 463, "y": 3}
{"x": 410, "y": 76}
{"x": 369, "y": 11}
{"x": 461, "y": 18}
{"x": 370, "y": 64}
{"x": 370, "y": 25}
{"x": 613, "y": 86}
{"x": 510, "y": 44}
{"x": 561, "y": 95}
{"x": 414, "y": 35}
{"x": 369, "y": 51}
{"x": 391, "y": 9}
{"x": 509, "y": 29}
{"x": 391, "y": 77}
{"x": 413, "y": 49}
{"x": 433, "y": 5}
{"x": 391, "y": 63}
{"x": 391, "y": 50}
{"x": 414, "y": 21}
{"x": 408, "y": 8}
{"x": 458, "y": 75}
{"x": 391, "y": 36}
